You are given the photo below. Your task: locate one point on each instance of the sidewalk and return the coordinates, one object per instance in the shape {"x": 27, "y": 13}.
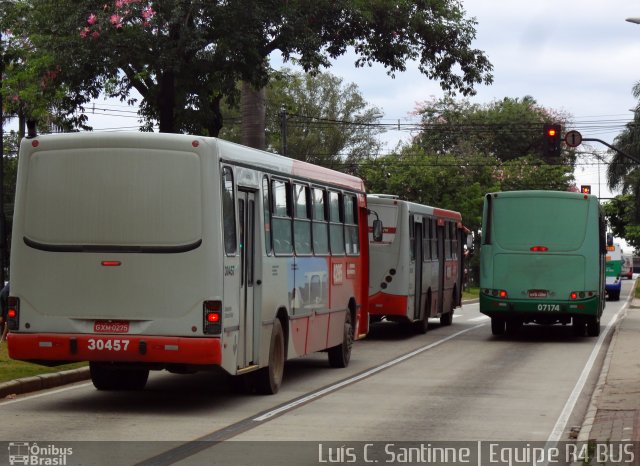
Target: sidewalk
{"x": 614, "y": 411}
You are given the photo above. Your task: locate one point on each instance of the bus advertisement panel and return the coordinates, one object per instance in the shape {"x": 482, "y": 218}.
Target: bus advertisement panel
{"x": 139, "y": 251}
{"x": 417, "y": 266}
{"x": 542, "y": 260}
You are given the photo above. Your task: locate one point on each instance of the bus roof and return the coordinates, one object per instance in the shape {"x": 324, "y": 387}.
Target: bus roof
{"x": 228, "y": 151}
{"x": 386, "y": 199}
{"x": 541, "y": 193}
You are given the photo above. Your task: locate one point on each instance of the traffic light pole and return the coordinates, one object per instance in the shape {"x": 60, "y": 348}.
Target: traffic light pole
{"x": 635, "y": 159}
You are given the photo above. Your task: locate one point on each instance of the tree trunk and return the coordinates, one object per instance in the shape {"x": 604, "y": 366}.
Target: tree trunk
{"x": 215, "y": 124}
{"x": 167, "y": 102}
{"x": 253, "y": 108}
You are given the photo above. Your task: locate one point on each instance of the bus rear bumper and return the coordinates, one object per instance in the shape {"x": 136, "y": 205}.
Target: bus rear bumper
{"x": 548, "y": 311}
{"x": 56, "y": 348}
{"x": 384, "y": 304}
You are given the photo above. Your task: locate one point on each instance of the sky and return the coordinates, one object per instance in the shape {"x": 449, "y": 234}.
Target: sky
{"x": 577, "y": 56}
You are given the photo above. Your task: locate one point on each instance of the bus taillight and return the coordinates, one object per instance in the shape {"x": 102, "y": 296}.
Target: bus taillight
{"x": 574, "y": 295}
{"x": 502, "y": 293}
{"x": 13, "y": 313}
{"x": 212, "y": 317}
{"x": 539, "y": 248}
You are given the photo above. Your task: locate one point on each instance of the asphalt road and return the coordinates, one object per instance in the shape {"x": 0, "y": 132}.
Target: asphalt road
{"x": 456, "y": 383}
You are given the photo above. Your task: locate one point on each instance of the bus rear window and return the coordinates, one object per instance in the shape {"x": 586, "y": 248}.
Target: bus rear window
{"x": 124, "y": 197}
{"x": 555, "y": 223}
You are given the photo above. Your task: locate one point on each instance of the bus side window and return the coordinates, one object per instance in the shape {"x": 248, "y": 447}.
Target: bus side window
{"x": 302, "y": 221}
{"x": 426, "y": 222}
{"x": 434, "y": 239}
{"x": 228, "y": 212}
{"x": 268, "y": 243}
{"x": 336, "y": 225}
{"x": 320, "y": 226}
{"x": 352, "y": 241}
{"x": 281, "y": 217}
{"x": 454, "y": 240}
{"x": 412, "y": 237}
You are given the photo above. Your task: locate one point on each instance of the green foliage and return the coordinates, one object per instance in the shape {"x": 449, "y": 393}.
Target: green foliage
{"x": 451, "y": 182}
{"x": 622, "y": 215}
{"x": 31, "y": 88}
{"x": 183, "y": 56}
{"x": 508, "y": 128}
{"x": 329, "y": 123}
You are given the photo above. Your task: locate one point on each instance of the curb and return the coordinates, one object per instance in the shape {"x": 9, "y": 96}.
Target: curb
{"x": 592, "y": 409}
{"x": 40, "y": 382}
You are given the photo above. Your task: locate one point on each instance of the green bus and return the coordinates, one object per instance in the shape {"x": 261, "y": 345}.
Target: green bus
{"x": 542, "y": 260}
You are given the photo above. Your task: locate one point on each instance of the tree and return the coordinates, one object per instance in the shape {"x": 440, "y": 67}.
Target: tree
{"x": 509, "y": 128}
{"x": 30, "y": 87}
{"x": 624, "y": 174}
{"x": 451, "y": 182}
{"x": 621, "y": 170}
{"x": 184, "y": 56}
{"x": 329, "y": 123}
{"x": 621, "y": 213}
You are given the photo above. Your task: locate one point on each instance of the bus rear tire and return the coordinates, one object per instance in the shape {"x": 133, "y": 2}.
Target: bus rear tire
{"x": 512, "y": 326}
{"x": 268, "y": 379}
{"x": 498, "y": 326}
{"x": 421, "y": 326}
{"x": 446, "y": 319}
{"x": 593, "y": 327}
{"x": 105, "y": 377}
{"x": 340, "y": 355}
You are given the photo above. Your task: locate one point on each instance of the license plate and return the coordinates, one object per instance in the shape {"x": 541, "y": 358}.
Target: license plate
{"x": 537, "y": 293}
{"x": 111, "y": 326}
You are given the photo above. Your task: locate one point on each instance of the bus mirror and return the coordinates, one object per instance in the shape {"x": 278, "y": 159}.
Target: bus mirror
{"x": 470, "y": 242}
{"x": 609, "y": 239}
{"x": 377, "y": 230}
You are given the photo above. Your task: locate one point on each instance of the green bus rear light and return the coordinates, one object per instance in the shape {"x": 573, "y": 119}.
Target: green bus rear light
{"x": 539, "y": 248}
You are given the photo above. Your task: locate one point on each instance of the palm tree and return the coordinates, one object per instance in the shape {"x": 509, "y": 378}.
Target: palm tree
{"x": 622, "y": 173}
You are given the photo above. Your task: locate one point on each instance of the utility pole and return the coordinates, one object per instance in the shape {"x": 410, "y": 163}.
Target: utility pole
{"x": 3, "y": 232}
{"x": 283, "y": 129}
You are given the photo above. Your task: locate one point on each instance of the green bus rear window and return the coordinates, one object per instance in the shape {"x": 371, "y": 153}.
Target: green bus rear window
{"x": 522, "y": 223}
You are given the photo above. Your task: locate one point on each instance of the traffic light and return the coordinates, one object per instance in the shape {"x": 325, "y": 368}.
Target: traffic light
{"x": 585, "y": 188}
{"x": 552, "y": 138}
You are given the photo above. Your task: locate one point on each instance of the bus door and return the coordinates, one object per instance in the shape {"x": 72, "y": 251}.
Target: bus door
{"x": 249, "y": 313}
{"x": 419, "y": 263}
{"x": 441, "y": 263}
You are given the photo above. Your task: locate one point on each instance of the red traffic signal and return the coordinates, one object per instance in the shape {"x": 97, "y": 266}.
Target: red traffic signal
{"x": 552, "y": 139}
{"x": 585, "y": 189}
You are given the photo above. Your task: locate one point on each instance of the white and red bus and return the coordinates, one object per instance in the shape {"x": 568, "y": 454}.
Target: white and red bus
{"x": 138, "y": 251}
{"x": 416, "y": 267}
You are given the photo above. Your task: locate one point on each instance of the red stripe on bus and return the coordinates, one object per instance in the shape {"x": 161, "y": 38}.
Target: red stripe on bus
{"x": 326, "y": 175}
{"x": 384, "y": 304}
{"x": 58, "y": 347}
{"x": 447, "y": 213}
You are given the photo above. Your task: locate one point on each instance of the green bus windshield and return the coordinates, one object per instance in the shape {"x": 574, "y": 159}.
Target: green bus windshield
{"x": 520, "y": 223}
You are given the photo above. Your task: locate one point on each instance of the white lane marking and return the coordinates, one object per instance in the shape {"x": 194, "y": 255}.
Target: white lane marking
{"x": 358, "y": 377}
{"x": 561, "y": 423}
{"x": 479, "y": 319}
